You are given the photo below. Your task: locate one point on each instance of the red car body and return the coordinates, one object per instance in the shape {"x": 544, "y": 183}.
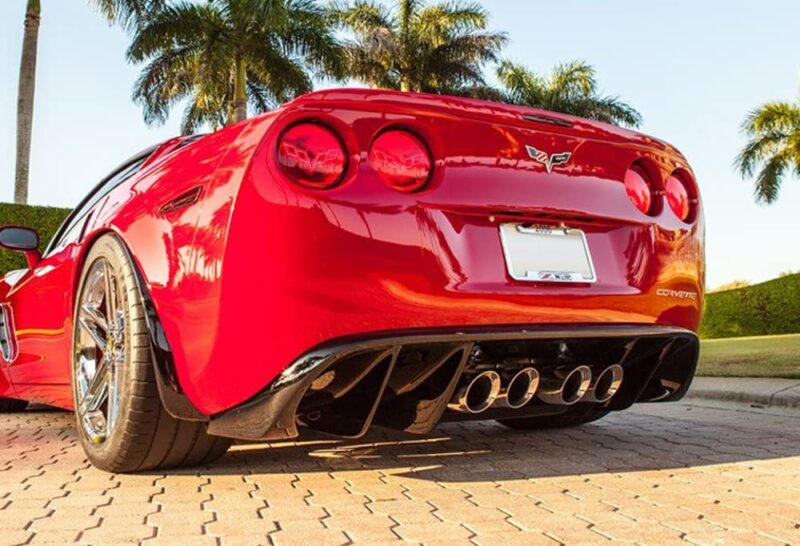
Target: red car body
{"x": 247, "y": 271}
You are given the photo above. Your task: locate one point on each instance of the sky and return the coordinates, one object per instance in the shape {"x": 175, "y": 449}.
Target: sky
{"x": 694, "y": 69}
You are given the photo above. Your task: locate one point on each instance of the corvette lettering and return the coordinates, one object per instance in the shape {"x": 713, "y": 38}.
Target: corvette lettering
{"x": 549, "y": 161}
{"x": 679, "y": 294}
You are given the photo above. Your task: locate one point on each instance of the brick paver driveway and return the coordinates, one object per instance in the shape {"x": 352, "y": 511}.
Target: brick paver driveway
{"x": 656, "y": 474}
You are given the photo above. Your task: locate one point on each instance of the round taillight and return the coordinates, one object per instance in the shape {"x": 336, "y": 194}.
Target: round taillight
{"x": 678, "y": 197}
{"x": 401, "y": 160}
{"x": 311, "y": 155}
{"x": 639, "y": 189}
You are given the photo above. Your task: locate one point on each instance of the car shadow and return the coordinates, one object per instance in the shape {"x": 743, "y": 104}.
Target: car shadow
{"x": 680, "y": 436}
{"x": 650, "y": 437}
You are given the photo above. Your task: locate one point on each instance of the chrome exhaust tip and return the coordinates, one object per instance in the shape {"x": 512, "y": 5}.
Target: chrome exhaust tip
{"x": 478, "y": 394}
{"x": 606, "y": 385}
{"x": 520, "y": 389}
{"x": 565, "y": 389}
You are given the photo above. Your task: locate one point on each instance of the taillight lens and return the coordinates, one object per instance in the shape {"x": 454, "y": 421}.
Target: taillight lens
{"x": 639, "y": 189}
{"x": 401, "y": 160}
{"x": 311, "y": 155}
{"x": 678, "y": 197}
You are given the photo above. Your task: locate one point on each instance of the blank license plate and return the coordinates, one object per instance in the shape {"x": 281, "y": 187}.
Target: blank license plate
{"x": 546, "y": 253}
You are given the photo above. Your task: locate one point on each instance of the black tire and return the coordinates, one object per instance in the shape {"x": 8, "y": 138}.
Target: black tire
{"x": 9, "y": 405}
{"x": 573, "y": 417}
{"x": 143, "y": 436}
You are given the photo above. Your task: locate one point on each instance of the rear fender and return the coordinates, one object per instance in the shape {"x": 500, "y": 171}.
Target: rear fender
{"x": 179, "y": 255}
{"x": 172, "y": 397}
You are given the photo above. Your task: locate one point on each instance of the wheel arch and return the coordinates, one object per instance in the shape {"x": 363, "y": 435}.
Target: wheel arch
{"x": 172, "y": 397}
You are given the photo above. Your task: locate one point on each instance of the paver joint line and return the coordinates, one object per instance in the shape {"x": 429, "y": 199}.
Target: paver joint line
{"x": 691, "y": 471}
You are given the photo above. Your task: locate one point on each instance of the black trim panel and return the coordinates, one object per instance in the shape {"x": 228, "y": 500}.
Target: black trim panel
{"x": 649, "y": 352}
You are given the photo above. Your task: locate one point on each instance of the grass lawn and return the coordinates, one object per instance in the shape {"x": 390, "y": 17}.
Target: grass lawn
{"x": 767, "y": 356}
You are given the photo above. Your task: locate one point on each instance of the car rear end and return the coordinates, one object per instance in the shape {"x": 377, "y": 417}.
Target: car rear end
{"x": 420, "y": 241}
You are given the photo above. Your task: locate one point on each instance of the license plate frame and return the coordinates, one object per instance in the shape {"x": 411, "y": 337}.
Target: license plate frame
{"x": 546, "y": 254}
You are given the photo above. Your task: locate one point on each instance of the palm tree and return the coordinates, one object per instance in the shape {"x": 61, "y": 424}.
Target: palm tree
{"x": 27, "y": 87}
{"x": 127, "y": 13}
{"x": 223, "y": 55}
{"x": 773, "y": 147}
{"x": 412, "y": 46}
{"x": 571, "y": 89}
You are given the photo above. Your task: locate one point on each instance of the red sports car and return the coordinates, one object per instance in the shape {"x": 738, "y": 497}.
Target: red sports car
{"x": 360, "y": 258}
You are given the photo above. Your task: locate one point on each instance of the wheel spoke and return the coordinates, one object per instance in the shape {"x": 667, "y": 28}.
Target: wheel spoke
{"x": 82, "y": 375}
{"x": 100, "y": 339}
{"x": 97, "y": 392}
{"x": 93, "y": 316}
{"x": 93, "y": 401}
{"x": 111, "y": 296}
{"x": 94, "y": 287}
{"x": 113, "y": 398}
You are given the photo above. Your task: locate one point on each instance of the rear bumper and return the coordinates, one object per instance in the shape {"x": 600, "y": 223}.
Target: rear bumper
{"x": 328, "y": 270}
{"x": 406, "y": 381}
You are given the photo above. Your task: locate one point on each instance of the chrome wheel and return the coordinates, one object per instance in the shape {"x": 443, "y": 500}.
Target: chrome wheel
{"x": 99, "y": 351}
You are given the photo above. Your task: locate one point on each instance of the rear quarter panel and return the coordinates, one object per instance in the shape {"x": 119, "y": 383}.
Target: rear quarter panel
{"x": 180, "y": 253}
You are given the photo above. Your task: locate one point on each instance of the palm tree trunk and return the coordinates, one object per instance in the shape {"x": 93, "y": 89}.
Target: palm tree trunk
{"x": 405, "y": 29}
{"x": 405, "y": 18}
{"x": 27, "y": 85}
{"x": 240, "y": 91}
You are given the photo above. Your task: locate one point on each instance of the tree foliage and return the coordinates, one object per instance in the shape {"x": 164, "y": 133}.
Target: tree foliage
{"x": 413, "y": 46}
{"x": 571, "y": 88}
{"x": 220, "y": 57}
{"x": 772, "y": 151}
{"x": 127, "y": 13}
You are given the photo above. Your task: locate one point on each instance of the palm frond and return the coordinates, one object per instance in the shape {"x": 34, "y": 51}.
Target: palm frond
{"x": 177, "y": 25}
{"x": 362, "y": 17}
{"x": 772, "y": 149}
{"x": 758, "y": 150}
{"x": 576, "y": 78}
{"x": 772, "y": 117}
{"x": 611, "y": 110}
{"x": 307, "y": 33}
{"x": 276, "y": 77}
{"x": 523, "y": 86}
{"x": 443, "y": 20}
{"x": 769, "y": 179}
{"x": 571, "y": 89}
{"x": 127, "y": 13}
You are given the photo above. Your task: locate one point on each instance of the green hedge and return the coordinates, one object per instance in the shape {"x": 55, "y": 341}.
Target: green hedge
{"x": 44, "y": 219}
{"x": 764, "y": 309}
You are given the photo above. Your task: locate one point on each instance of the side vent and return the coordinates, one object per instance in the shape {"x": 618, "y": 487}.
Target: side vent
{"x": 184, "y": 200}
{"x": 7, "y": 344}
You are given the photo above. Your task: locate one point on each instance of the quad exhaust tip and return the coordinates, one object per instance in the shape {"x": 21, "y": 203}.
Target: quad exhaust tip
{"x": 606, "y": 385}
{"x": 520, "y": 389}
{"x": 478, "y": 394}
{"x": 565, "y": 389}
{"x": 516, "y": 389}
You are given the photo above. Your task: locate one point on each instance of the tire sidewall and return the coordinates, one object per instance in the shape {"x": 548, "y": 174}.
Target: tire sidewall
{"x": 109, "y": 247}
